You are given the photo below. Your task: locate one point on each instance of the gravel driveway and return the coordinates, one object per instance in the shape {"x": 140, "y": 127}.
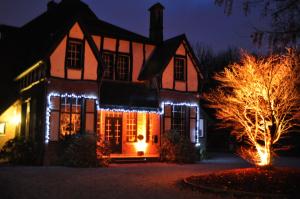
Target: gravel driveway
{"x": 143, "y": 180}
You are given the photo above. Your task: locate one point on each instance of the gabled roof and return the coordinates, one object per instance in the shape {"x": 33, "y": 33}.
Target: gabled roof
{"x": 160, "y": 58}
{"x": 35, "y": 39}
{"x": 162, "y": 55}
{"x": 134, "y": 95}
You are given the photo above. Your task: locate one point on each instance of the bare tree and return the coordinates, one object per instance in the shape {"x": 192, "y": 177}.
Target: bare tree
{"x": 259, "y": 99}
{"x": 285, "y": 20}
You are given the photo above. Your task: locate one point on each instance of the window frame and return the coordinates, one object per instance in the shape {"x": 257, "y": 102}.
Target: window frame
{"x": 183, "y": 112}
{"x": 70, "y": 112}
{"x": 80, "y": 64}
{"x": 133, "y": 132}
{"x": 113, "y": 55}
{"x": 116, "y": 57}
{"x": 117, "y": 76}
{"x": 184, "y": 68}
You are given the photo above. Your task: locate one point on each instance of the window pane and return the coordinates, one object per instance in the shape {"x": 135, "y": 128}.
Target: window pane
{"x": 74, "y": 53}
{"x": 179, "y": 69}
{"x": 108, "y": 59}
{"x": 122, "y": 69}
{"x": 70, "y": 118}
{"x": 179, "y": 119}
{"x": 76, "y": 105}
{"x": 65, "y": 104}
{"x": 131, "y": 127}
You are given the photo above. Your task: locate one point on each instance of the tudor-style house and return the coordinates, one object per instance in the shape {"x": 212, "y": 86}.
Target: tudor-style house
{"x": 77, "y": 73}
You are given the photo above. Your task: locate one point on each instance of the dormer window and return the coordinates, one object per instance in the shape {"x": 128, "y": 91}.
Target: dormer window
{"x": 179, "y": 68}
{"x": 74, "y": 56}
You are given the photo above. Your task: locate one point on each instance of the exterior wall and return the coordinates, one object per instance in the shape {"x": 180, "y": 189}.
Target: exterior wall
{"x": 11, "y": 119}
{"x": 57, "y": 60}
{"x": 168, "y": 76}
{"x": 124, "y": 46}
{"x": 130, "y": 149}
{"x": 149, "y": 49}
{"x": 191, "y": 78}
{"x": 138, "y": 60}
{"x": 90, "y": 65}
{"x": 97, "y": 41}
{"x": 109, "y": 44}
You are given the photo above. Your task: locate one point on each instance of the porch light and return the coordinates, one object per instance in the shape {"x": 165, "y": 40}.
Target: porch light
{"x": 15, "y": 118}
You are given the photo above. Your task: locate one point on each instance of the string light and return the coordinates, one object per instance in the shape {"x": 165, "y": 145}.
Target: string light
{"x": 93, "y": 97}
{"x": 197, "y": 134}
{"x": 50, "y": 107}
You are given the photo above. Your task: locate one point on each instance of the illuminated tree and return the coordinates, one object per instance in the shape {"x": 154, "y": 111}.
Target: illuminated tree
{"x": 259, "y": 100}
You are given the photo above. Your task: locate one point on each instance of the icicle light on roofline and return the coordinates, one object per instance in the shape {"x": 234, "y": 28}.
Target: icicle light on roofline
{"x": 49, "y": 107}
{"x": 161, "y": 112}
{"x": 128, "y": 110}
{"x": 197, "y": 136}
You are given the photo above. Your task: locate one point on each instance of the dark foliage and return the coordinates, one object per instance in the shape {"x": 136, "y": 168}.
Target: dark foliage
{"x": 20, "y": 151}
{"x": 275, "y": 181}
{"x": 176, "y": 148}
{"x": 82, "y": 150}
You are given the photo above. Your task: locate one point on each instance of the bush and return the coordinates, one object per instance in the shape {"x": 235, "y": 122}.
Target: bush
{"x": 176, "y": 148}
{"x": 103, "y": 153}
{"x": 19, "y": 151}
{"x": 81, "y": 150}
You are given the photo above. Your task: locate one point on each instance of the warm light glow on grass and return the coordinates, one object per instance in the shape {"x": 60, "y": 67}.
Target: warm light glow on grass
{"x": 259, "y": 99}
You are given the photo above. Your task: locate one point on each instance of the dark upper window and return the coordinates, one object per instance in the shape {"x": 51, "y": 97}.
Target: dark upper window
{"x": 122, "y": 68}
{"x": 108, "y": 59}
{"x": 179, "y": 68}
{"x": 117, "y": 67}
{"x": 74, "y": 57}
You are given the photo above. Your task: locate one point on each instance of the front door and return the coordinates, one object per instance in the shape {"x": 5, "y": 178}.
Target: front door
{"x": 113, "y": 133}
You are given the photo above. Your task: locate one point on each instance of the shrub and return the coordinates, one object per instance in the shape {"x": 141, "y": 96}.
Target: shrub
{"x": 82, "y": 150}
{"x": 103, "y": 153}
{"x": 19, "y": 151}
{"x": 176, "y": 148}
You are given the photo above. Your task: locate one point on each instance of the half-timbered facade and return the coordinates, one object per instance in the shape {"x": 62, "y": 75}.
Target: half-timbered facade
{"x": 81, "y": 74}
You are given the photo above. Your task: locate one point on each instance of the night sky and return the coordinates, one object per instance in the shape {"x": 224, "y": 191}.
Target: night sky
{"x": 201, "y": 20}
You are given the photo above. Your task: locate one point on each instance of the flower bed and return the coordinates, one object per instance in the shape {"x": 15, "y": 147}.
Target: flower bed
{"x": 281, "y": 182}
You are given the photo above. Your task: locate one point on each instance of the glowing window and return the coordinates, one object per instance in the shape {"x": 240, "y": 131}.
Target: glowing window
{"x": 74, "y": 56}
{"x": 131, "y": 125}
{"x": 2, "y": 128}
{"x": 70, "y": 118}
{"x": 179, "y": 68}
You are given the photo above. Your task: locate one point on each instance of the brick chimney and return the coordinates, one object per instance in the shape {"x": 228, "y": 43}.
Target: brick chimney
{"x": 156, "y": 23}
